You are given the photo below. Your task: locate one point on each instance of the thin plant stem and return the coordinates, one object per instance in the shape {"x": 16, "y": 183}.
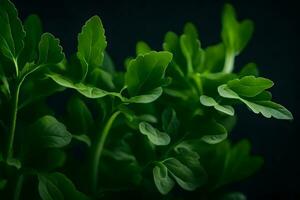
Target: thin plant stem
{"x": 98, "y": 149}
{"x": 12, "y": 129}
{"x": 229, "y": 62}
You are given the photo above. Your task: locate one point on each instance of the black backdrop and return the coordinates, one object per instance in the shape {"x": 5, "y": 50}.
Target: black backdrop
{"x": 274, "y": 47}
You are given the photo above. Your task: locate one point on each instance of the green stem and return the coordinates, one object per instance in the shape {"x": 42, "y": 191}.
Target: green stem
{"x": 16, "y": 67}
{"x": 99, "y": 148}
{"x": 12, "y": 130}
{"x": 18, "y": 188}
{"x": 229, "y": 62}
{"x": 198, "y": 81}
{"x": 190, "y": 68}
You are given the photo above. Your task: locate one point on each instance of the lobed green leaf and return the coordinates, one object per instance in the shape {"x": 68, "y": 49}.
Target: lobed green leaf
{"x": 155, "y": 136}
{"x": 146, "y": 72}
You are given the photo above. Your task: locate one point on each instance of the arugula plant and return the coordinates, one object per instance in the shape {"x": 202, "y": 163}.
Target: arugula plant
{"x": 159, "y": 129}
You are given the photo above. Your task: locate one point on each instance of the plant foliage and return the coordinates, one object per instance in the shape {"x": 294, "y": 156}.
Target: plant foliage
{"x": 157, "y": 130}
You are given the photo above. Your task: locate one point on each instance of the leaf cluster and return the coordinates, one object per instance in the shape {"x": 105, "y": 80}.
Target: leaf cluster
{"x": 158, "y": 129}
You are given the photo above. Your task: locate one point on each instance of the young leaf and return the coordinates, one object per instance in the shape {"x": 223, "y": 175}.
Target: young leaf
{"x": 91, "y": 44}
{"x": 162, "y": 180}
{"x": 250, "y": 86}
{"x": 249, "y": 70}
{"x": 12, "y": 33}
{"x": 267, "y": 108}
{"x": 146, "y": 72}
{"x": 56, "y": 186}
{"x": 178, "y": 64}
{"x": 210, "y": 102}
{"x": 183, "y": 175}
{"x": 214, "y": 57}
{"x": 142, "y": 48}
{"x": 235, "y": 35}
{"x": 47, "y": 132}
{"x": 155, "y": 136}
{"x": 190, "y": 46}
{"x": 33, "y": 29}
{"x": 50, "y": 52}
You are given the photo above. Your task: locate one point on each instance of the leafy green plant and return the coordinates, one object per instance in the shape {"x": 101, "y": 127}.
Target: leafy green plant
{"x": 159, "y": 129}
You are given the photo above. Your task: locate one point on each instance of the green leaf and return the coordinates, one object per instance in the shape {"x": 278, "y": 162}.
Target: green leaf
{"x": 191, "y": 159}
{"x": 56, "y": 186}
{"x": 83, "y": 138}
{"x": 178, "y": 64}
{"x": 226, "y": 92}
{"x": 148, "y": 97}
{"x": 239, "y": 164}
{"x": 155, "y": 136}
{"x": 101, "y": 78}
{"x": 214, "y": 57}
{"x": 183, "y": 175}
{"x": 264, "y": 96}
{"x": 12, "y": 33}
{"x": 47, "y": 132}
{"x": 190, "y": 46}
{"x": 108, "y": 64}
{"x": 33, "y": 29}
{"x": 79, "y": 117}
{"x": 142, "y": 48}
{"x": 91, "y": 44}
{"x": 207, "y": 129}
{"x": 170, "y": 123}
{"x": 146, "y": 72}
{"x": 210, "y": 102}
{"x": 249, "y": 70}
{"x": 87, "y": 91}
{"x": 267, "y": 108}
{"x": 162, "y": 180}
{"x": 235, "y": 35}
{"x": 50, "y": 51}
{"x": 250, "y": 86}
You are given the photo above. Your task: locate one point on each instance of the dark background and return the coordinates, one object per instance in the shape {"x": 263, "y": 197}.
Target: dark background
{"x": 274, "y": 47}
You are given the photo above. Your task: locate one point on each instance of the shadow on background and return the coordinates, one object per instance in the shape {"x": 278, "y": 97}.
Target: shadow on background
{"x": 274, "y": 47}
